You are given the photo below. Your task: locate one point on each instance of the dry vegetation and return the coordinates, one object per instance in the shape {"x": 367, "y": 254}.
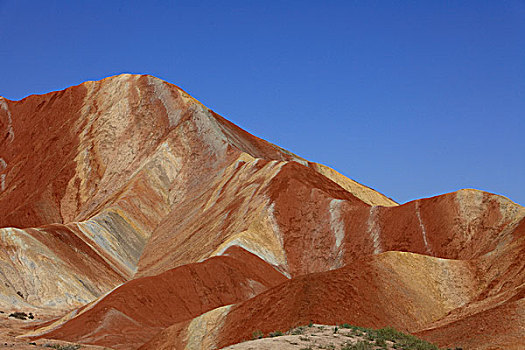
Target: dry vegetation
{"x": 340, "y": 337}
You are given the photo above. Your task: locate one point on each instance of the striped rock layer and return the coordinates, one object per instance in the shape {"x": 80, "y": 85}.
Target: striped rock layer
{"x": 151, "y": 222}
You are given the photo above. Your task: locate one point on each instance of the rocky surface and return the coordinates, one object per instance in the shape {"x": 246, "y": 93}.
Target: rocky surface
{"x": 138, "y": 218}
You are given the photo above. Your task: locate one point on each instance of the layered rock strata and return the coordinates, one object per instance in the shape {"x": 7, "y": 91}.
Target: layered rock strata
{"x": 152, "y": 222}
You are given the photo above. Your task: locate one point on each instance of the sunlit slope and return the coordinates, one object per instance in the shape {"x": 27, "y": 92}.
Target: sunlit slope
{"x": 153, "y": 222}
{"x": 110, "y": 160}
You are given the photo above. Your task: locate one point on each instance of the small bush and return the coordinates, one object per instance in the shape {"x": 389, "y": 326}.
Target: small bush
{"x": 257, "y": 334}
{"x": 63, "y": 347}
{"x": 276, "y": 334}
{"x": 381, "y": 343}
{"x": 297, "y": 331}
{"x": 361, "y": 345}
{"x": 406, "y": 341}
{"x": 19, "y": 315}
{"x": 379, "y": 337}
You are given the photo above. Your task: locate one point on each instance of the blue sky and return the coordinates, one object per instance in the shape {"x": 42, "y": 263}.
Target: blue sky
{"x": 412, "y": 98}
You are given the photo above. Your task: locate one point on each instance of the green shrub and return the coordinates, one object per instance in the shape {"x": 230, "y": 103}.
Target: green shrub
{"x": 361, "y": 345}
{"x": 406, "y": 341}
{"x": 381, "y": 343}
{"x": 257, "y": 334}
{"x": 275, "y": 334}
{"x": 379, "y": 337}
{"x": 63, "y": 347}
{"x": 297, "y": 331}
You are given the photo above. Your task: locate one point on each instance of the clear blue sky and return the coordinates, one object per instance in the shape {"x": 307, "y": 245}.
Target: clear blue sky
{"x": 412, "y": 98}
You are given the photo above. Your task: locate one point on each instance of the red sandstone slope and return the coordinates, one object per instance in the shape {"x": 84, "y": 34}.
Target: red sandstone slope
{"x": 171, "y": 227}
